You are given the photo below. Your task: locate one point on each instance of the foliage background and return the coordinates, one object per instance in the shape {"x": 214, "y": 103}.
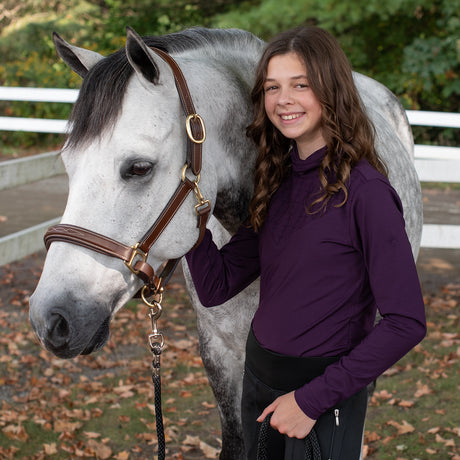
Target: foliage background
{"x": 411, "y": 46}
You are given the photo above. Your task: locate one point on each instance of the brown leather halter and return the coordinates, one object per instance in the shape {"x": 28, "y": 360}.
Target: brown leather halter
{"x": 135, "y": 257}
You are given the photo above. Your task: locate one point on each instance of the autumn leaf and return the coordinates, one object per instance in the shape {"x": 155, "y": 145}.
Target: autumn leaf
{"x": 124, "y": 391}
{"x": 101, "y": 450}
{"x": 16, "y": 432}
{"x": 392, "y": 371}
{"x": 207, "y": 405}
{"x": 196, "y": 442}
{"x": 372, "y": 436}
{"x": 208, "y": 451}
{"x": 50, "y": 449}
{"x": 92, "y": 435}
{"x": 403, "y": 428}
{"x": 422, "y": 390}
{"x": 446, "y": 442}
{"x": 193, "y": 441}
{"x": 63, "y": 425}
{"x": 407, "y": 404}
{"x": 383, "y": 394}
{"x": 184, "y": 344}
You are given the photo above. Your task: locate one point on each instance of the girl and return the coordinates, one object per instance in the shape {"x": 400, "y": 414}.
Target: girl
{"x": 326, "y": 236}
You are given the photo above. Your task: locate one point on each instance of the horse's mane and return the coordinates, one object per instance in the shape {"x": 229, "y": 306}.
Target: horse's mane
{"x": 101, "y": 94}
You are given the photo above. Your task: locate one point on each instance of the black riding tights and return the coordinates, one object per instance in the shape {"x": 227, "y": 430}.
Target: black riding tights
{"x": 339, "y": 430}
{"x": 337, "y": 442}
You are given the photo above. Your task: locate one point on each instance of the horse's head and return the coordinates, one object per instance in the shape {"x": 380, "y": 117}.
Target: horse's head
{"x": 124, "y": 158}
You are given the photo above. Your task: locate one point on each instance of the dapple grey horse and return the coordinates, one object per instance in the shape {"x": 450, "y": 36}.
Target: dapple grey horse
{"x": 124, "y": 156}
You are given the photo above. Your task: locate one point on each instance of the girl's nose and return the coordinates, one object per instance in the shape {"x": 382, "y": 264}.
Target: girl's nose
{"x": 285, "y": 97}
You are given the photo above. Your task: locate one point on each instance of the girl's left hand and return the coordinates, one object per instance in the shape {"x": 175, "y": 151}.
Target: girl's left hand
{"x": 288, "y": 418}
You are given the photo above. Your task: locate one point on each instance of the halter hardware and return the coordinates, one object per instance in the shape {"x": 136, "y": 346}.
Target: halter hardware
{"x": 156, "y": 297}
{"x": 203, "y": 205}
{"x": 195, "y": 116}
{"x": 155, "y": 338}
{"x": 136, "y": 252}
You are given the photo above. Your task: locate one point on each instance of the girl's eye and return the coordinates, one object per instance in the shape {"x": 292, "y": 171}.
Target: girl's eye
{"x": 270, "y": 88}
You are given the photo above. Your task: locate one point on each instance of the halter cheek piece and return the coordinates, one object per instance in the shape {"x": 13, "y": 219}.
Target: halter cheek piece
{"x": 135, "y": 257}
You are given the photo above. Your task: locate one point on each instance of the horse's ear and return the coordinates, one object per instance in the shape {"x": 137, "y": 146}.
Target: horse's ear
{"x": 79, "y": 60}
{"x": 144, "y": 61}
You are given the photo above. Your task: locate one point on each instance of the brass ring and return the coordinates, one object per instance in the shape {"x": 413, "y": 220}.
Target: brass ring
{"x": 152, "y": 304}
{"x": 189, "y": 129}
{"x": 184, "y": 170}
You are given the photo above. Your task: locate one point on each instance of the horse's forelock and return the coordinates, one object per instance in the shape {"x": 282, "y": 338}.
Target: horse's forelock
{"x": 101, "y": 94}
{"x": 100, "y": 98}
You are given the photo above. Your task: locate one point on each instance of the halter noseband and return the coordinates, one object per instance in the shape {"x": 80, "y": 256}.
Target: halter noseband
{"x": 135, "y": 257}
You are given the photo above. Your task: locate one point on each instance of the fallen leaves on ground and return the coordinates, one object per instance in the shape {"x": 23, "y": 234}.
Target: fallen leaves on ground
{"x": 65, "y": 408}
{"x": 427, "y": 391}
{"x": 102, "y": 405}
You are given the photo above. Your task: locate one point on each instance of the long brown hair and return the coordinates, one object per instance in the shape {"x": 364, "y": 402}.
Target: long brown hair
{"x": 348, "y": 133}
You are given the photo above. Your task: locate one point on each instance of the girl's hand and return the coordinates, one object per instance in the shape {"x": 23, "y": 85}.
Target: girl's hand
{"x": 288, "y": 418}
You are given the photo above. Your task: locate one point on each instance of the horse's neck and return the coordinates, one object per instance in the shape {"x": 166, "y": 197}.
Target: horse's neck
{"x": 229, "y": 115}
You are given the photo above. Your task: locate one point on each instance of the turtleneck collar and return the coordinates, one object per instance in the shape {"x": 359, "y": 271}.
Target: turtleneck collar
{"x": 311, "y": 162}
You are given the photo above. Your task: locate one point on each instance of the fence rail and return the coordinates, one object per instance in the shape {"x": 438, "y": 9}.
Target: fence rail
{"x": 433, "y": 164}
{"x": 36, "y": 125}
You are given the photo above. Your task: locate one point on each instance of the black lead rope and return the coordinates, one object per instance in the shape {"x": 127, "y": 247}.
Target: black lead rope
{"x": 311, "y": 444}
{"x": 156, "y": 342}
{"x": 156, "y": 379}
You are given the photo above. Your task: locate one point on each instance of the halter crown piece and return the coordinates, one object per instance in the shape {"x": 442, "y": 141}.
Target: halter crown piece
{"x": 135, "y": 257}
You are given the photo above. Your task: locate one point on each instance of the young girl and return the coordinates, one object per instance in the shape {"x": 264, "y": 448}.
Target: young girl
{"x": 326, "y": 236}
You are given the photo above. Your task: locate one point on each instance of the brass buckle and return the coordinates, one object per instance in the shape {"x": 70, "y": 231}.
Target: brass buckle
{"x": 195, "y": 116}
{"x": 136, "y": 252}
{"x": 202, "y": 206}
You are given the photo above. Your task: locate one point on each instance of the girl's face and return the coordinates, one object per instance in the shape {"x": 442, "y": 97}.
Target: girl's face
{"x": 291, "y": 105}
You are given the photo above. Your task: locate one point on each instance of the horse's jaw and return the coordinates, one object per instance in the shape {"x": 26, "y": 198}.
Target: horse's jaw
{"x": 71, "y": 314}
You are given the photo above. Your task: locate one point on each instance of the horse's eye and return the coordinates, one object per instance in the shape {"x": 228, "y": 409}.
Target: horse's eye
{"x": 141, "y": 169}
{"x": 137, "y": 169}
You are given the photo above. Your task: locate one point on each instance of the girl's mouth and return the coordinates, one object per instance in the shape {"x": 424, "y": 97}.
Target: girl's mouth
{"x": 290, "y": 116}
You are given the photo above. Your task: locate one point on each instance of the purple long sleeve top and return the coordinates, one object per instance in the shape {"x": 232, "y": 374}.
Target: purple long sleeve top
{"x": 322, "y": 278}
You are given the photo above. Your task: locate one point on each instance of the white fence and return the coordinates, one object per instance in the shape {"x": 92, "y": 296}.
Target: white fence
{"x": 433, "y": 164}
{"x": 35, "y": 125}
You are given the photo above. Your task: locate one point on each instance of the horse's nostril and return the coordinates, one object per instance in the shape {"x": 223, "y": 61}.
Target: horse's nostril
{"x": 58, "y": 330}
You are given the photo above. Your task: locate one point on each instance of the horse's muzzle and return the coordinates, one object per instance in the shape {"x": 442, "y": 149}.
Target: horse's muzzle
{"x": 63, "y": 339}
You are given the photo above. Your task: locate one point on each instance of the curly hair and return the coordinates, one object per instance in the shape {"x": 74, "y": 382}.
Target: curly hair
{"x": 348, "y": 132}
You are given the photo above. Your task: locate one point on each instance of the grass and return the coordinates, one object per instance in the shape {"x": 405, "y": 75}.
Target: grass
{"x": 414, "y": 411}
{"x": 440, "y": 185}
